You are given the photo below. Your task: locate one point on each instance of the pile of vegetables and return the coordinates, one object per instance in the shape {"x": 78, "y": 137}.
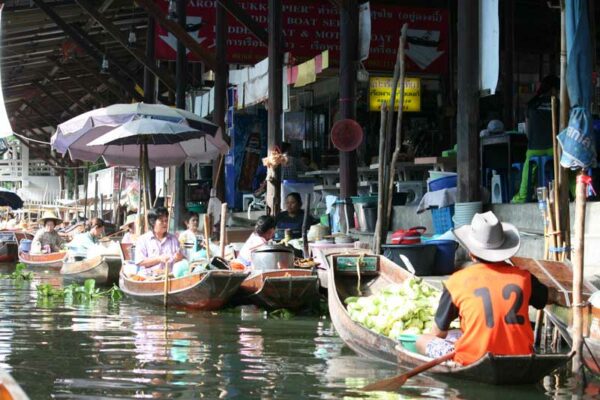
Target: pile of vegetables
{"x": 406, "y": 308}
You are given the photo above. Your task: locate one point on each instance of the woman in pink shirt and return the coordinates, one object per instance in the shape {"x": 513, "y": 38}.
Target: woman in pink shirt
{"x": 264, "y": 231}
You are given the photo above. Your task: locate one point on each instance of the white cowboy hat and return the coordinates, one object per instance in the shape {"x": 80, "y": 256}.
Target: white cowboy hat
{"x": 488, "y": 238}
{"x": 47, "y": 215}
{"x": 128, "y": 221}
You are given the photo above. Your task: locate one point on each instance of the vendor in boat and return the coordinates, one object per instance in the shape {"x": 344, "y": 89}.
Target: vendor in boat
{"x": 191, "y": 239}
{"x": 292, "y": 218}
{"x": 491, "y": 297}
{"x": 157, "y": 246}
{"x": 47, "y": 240}
{"x": 83, "y": 242}
{"x": 129, "y": 226}
{"x": 264, "y": 230}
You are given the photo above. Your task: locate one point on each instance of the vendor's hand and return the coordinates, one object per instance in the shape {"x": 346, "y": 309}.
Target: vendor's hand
{"x": 178, "y": 257}
{"x": 165, "y": 258}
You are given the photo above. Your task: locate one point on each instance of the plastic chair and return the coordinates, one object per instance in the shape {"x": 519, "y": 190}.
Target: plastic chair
{"x": 516, "y": 173}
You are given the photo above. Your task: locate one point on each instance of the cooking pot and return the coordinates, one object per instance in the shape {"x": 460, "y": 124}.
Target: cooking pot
{"x": 408, "y": 236}
{"x": 270, "y": 257}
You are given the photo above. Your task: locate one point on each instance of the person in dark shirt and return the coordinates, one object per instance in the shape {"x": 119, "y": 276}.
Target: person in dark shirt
{"x": 292, "y": 218}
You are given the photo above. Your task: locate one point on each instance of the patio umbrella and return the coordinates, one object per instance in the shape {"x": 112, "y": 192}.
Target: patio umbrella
{"x": 73, "y": 135}
{"x": 10, "y": 199}
{"x": 168, "y": 144}
{"x": 146, "y": 143}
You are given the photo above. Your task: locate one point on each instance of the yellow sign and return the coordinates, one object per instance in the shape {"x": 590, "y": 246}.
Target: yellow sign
{"x": 380, "y": 89}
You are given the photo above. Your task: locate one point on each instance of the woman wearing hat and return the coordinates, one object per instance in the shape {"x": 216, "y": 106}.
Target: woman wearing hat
{"x": 129, "y": 237}
{"x": 491, "y": 297}
{"x": 47, "y": 239}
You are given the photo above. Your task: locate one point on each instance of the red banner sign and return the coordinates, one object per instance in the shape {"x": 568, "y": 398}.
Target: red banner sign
{"x": 311, "y": 27}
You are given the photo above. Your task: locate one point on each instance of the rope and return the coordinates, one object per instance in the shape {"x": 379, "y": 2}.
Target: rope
{"x": 359, "y": 262}
{"x": 30, "y": 139}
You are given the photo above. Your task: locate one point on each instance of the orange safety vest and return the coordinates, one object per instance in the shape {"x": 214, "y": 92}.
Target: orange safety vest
{"x": 493, "y": 303}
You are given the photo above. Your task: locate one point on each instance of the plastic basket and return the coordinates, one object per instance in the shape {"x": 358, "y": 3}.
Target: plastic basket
{"x": 442, "y": 219}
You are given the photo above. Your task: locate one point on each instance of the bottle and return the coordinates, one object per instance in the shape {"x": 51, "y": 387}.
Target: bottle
{"x": 287, "y": 237}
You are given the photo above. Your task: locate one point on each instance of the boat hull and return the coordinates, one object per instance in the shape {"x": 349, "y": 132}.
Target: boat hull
{"x": 286, "y": 288}
{"x": 209, "y": 290}
{"x": 103, "y": 269}
{"x": 51, "y": 260}
{"x": 489, "y": 369}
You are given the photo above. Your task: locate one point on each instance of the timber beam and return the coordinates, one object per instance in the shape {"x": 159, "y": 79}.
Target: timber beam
{"x": 179, "y": 32}
{"x": 102, "y": 79}
{"x": 72, "y": 99}
{"x": 245, "y": 19}
{"x": 47, "y": 118}
{"x": 75, "y": 34}
{"x": 53, "y": 98}
{"x": 79, "y": 82}
{"x": 116, "y": 33}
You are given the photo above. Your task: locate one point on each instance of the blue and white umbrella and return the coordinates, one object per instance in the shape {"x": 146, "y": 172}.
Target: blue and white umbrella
{"x": 577, "y": 140}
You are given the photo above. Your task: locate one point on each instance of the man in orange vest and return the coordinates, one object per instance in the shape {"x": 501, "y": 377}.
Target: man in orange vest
{"x": 491, "y": 297}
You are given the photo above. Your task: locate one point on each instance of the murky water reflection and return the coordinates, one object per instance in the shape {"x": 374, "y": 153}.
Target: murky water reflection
{"x": 129, "y": 350}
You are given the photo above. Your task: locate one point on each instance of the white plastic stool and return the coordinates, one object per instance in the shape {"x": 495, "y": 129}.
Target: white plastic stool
{"x": 246, "y": 200}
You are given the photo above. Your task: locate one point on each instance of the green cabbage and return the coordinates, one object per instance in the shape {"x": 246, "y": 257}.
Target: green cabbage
{"x": 407, "y": 308}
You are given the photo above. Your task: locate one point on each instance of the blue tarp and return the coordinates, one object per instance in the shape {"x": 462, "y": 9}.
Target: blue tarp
{"x": 577, "y": 140}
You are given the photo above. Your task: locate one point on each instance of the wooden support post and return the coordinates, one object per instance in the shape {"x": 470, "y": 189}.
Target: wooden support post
{"x": 221, "y": 78}
{"x": 275, "y": 103}
{"x": 181, "y": 80}
{"x": 578, "y": 255}
{"x": 468, "y": 101}
{"x": 348, "y": 63}
{"x": 379, "y": 225}
{"x": 508, "y": 9}
{"x": 562, "y": 182}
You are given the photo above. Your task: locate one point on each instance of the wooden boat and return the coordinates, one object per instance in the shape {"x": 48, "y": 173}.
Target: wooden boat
{"x": 377, "y": 273}
{"x": 10, "y": 389}
{"x": 103, "y": 269}
{"x": 559, "y": 276}
{"x": 9, "y": 244}
{"x": 208, "y": 290}
{"x": 50, "y": 260}
{"x": 283, "y": 288}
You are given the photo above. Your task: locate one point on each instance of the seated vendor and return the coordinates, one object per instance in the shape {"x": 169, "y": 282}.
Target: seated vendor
{"x": 47, "y": 240}
{"x": 157, "y": 246}
{"x": 191, "y": 239}
{"x": 129, "y": 226}
{"x": 83, "y": 242}
{"x": 263, "y": 232}
{"x": 292, "y": 218}
{"x": 491, "y": 297}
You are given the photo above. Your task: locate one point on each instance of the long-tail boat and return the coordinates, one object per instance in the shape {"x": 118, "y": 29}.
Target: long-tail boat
{"x": 284, "y": 288}
{"x": 49, "y": 260}
{"x": 379, "y": 273}
{"x": 209, "y": 290}
{"x": 103, "y": 269}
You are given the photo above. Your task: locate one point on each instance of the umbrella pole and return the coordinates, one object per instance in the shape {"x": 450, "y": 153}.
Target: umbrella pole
{"x": 138, "y": 224}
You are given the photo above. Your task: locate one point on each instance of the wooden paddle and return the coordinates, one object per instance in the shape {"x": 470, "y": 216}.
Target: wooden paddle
{"x": 206, "y": 235}
{"x": 396, "y": 382}
{"x": 166, "y": 296}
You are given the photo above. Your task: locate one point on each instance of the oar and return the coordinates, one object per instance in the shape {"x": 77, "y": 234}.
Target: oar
{"x": 395, "y": 383}
{"x": 166, "y": 283}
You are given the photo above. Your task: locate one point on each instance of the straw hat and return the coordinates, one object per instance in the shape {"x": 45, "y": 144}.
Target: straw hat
{"x": 128, "y": 221}
{"x": 50, "y": 215}
{"x": 488, "y": 238}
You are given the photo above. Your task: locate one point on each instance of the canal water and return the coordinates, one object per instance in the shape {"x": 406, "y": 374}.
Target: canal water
{"x": 128, "y": 350}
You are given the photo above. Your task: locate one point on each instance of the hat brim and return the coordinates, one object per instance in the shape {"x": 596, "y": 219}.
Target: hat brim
{"x": 510, "y": 247}
{"x": 125, "y": 226}
{"x": 56, "y": 220}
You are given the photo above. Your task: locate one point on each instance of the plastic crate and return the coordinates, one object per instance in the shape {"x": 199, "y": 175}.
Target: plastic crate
{"x": 442, "y": 219}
